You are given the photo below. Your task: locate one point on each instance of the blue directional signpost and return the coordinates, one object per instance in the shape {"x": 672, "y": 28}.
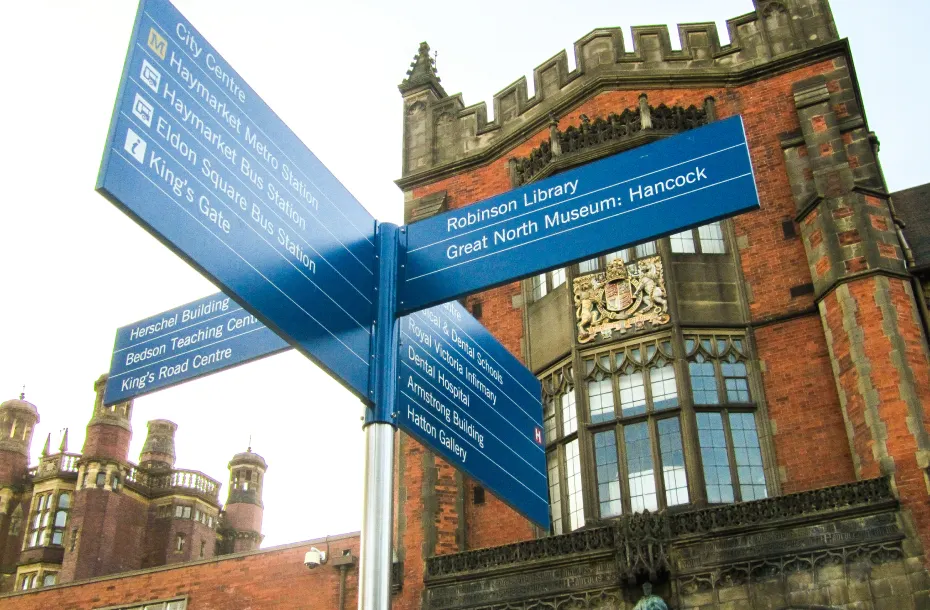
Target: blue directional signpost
{"x": 463, "y": 395}
{"x": 199, "y": 160}
{"x": 635, "y": 196}
{"x": 196, "y": 158}
{"x": 207, "y": 336}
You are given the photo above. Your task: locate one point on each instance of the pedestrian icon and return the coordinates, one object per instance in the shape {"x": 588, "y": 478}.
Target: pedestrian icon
{"x": 135, "y": 145}
{"x": 143, "y": 110}
{"x": 150, "y": 75}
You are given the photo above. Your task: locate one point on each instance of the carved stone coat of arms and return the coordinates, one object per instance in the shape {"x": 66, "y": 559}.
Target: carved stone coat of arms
{"x": 621, "y": 299}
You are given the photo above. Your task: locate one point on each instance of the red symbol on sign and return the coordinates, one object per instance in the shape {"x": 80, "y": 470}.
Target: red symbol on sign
{"x": 539, "y": 436}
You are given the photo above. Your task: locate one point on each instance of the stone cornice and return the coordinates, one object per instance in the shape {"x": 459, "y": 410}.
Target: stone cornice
{"x": 659, "y": 531}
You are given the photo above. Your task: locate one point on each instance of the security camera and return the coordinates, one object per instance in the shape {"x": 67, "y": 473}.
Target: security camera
{"x": 314, "y": 557}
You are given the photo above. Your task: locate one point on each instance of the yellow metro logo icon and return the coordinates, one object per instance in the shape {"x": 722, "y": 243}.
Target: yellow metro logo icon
{"x": 157, "y": 43}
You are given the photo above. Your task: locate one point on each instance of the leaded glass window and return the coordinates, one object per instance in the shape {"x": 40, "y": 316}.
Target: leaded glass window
{"x": 714, "y": 457}
{"x": 573, "y": 482}
{"x": 706, "y": 239}
{"x": 651, "y": 419}
{"x": 748, "y": 456}
{"x": 608, "y": 474}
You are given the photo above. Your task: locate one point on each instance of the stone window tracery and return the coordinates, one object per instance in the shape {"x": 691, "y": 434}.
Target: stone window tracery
{"x": 637, "y": 446}
{"x": 731, "y": 454}
{"x": 629, "y": 440}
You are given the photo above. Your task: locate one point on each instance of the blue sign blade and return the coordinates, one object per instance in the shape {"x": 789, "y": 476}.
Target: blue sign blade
{"x": 199, "y": 160}
{"x": 635, "y": 196}
{"x": 207, "y": 336}
{"x": 465, "y": 397}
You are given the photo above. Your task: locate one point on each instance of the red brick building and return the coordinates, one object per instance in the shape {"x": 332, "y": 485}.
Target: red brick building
{"x": 758, "y": 437}
{"x": 92, "y": 514}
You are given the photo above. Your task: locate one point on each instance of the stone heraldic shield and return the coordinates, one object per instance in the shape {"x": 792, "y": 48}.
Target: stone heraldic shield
{"x": 618, "y": 292}
{"x": 623, "y": 298}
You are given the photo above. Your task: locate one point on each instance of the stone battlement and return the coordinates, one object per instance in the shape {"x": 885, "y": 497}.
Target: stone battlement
{"x": 441, "y": 131}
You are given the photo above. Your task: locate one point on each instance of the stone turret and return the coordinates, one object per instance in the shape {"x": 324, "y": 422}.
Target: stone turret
{"x": 107, "y": 526}
{"x": 18, "y": 419}
{"x": 244, "y": 507}
{"x": 109, "y": 430}
{"x": 158, "y": 450}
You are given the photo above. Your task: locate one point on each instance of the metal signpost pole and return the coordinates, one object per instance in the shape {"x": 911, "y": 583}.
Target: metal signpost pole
{"x": 374, "y": 590}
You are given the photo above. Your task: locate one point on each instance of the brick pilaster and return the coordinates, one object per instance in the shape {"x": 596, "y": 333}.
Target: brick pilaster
{"x": 869, "y": 314}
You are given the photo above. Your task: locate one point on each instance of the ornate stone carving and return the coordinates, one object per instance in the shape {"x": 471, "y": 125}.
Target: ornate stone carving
{"x": 622, "y": 298}
{"x": 540, "y": 582}
{"x": 616, "y": 128}
{"x": 640, "y": 541}
{"x": 868, "y": 492}
{"x": 599, "y": 539}
{"x": 786, "y": 542}
{"x": 589, "y": 600}
{"x": 750, "y": 572}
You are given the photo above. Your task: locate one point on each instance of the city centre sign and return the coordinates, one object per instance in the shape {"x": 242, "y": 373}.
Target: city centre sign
{"x": 200, "y": 161}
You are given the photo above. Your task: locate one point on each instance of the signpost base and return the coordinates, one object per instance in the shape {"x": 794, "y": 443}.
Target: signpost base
{"x": 374, "y": 588}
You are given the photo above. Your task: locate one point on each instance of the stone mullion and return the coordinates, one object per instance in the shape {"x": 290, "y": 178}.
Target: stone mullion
{"x": 761, "y": 417}
{"x": 585, "y": 442}
{"x": 652, "y": 428}
{"x": 697, "y": 491}
{"x": 625, "y": 500}
{"x": 563, "y": 487}
{"x": 731, "y": 455}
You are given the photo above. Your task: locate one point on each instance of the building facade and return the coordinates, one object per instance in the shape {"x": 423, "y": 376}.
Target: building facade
{"x": 735, "y": 415}
{"x": 76, "y": 516}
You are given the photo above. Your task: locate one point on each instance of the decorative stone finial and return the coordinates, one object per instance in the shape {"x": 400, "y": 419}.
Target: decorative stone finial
{"x": 63, "y": 448}
{"x": 422, "y": 72}
{"x": 48, "y": 445}
{"x": 22, "y": 395}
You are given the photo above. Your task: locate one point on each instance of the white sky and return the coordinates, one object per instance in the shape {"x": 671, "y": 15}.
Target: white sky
{"x": 73, "y": 268}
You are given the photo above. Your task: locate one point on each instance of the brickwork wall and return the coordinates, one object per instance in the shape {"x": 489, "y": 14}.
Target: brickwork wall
{"x": 414, "y": 517}
{"x": 883, "y": 377}
{"x": 12, "y": 467}
{"x": 111, "y": 534}
{"x": 10, "y": 544}
{"x": 803, "y": 404}
{"x": 486, "y": 524}
{"x": 105, "y": 441}
{"x": 194, "y": 533}
{"x": 276, "y": 578}
{"x": 157, "y": 539}
{"x": 244, "y": 516}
